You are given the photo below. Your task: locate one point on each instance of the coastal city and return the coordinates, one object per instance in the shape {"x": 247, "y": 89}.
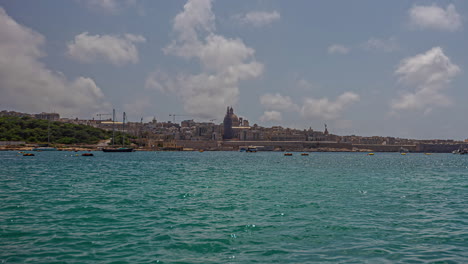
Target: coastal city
{"x": 233, "y": 134}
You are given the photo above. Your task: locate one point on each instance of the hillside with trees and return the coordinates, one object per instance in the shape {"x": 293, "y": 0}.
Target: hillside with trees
{"x": 33, "y": 130}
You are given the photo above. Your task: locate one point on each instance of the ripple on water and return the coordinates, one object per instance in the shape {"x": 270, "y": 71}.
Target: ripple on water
{"x": 228, "y": 207}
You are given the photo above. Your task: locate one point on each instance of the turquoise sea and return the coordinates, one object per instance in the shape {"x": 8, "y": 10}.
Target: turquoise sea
{"x": 232, "y": 207}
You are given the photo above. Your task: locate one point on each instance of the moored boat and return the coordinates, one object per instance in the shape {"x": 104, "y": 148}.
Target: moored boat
{"x": 251, "y": 149}
{"x": 44, "y": 149}
{"x": 123, "y": 148}
{"x": 118, "y": 149}
{"x": 460, "y": 151}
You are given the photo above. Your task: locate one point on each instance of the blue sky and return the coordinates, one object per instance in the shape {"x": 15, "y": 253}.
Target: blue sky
{"x": 387, "y": 68}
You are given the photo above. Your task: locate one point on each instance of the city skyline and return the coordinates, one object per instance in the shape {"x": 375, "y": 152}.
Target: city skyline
{"x": 365, "y": 68}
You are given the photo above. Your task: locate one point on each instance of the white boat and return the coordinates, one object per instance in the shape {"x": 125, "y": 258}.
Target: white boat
{"x": 460, "y": 151}
{"x": 44, "y": 149}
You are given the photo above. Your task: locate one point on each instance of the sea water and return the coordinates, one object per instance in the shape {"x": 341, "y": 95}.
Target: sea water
{"x": 232, "y": 207}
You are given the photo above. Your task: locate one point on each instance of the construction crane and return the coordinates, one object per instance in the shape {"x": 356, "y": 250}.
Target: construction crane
{"x": 100, "y": 115}
{"x": 174, "y": 116}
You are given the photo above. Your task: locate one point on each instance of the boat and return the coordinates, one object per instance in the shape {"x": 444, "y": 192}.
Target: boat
{"x": 123, "y": 148}
{"x": 28, "y": 154}
{"x": 304, "y": 154}
{"x": 460, "y": 151}
{"x": 251, "y": 149}
{"x": 403, "y": 153}
{"x": 44, "y": 149}
{"x": 370, "y": 154}
{"x": 44, "y": 146}
{"x": 288, "y": 154}
{"x": 87, "y": 154}
{"x": 404, "y": 150}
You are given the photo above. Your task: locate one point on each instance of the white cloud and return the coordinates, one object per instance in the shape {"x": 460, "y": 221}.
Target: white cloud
{"x": 258, "y": 18}
{"x": 337, "y": 49}
{"x": 434, "y": 17}
{"x": 109, "y": 6}
{"x": 385, "y": 45}
{"x": 225, "y": 62}
{"x": 269, "y": 116}
{"x": 428, "y": 73}
{"x": 326, "y": 109}
{"x": 117, "y": 50}
{"x": 277, "y": 102}
{"x": 159, "y": 81}
{"x": 26, "y": 84}
{"x": 137, "y": 107}
{"x": 306, "y": 85}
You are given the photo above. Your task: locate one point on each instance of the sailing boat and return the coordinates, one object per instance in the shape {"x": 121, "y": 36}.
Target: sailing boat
{"x": 47, "y": 148}
{"x": 123, "y": 148}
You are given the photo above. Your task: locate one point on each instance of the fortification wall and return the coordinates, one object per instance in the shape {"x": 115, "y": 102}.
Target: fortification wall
{"x": 199, "y": 144}
{"x": 327, "y": 144}
{"x": 315, "y": 146}
{"x": 385, "y": 148}
{"x": 439, "y": 148}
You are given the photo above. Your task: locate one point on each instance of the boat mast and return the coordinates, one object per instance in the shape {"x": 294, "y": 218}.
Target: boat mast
{"x": 123, "y": 130}
{"x": 113, "y": 126}
{"x": 48, "y": 132}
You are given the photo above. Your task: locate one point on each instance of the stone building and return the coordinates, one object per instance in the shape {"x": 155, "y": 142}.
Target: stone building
{"x": 230, "y": 120}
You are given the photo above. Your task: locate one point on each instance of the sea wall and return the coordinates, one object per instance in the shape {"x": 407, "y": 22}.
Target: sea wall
{"x": 234, "y": 145}
{"x": 267, "y": 145}
{"x": 439, "y": 148}
{"x": 198, "y": 144}
{"x": 385, "y": 148}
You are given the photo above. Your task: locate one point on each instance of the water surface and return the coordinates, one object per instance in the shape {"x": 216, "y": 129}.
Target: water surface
{"x": 232, "y": 207}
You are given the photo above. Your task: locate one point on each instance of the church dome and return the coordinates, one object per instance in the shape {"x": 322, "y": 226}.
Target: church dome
{"x": 235, "y": 120}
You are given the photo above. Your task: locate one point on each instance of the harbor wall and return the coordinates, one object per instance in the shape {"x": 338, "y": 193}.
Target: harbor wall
{"x": 385, "y": 148}
{"x": 439, "y": 148}
{"x": 267, "y": 145}
{"x": 234, "y": 145}
{"x": 198, "y": 144}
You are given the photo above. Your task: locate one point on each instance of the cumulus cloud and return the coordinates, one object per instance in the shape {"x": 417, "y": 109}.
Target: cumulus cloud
{"x": 325, "y": 109}
{"x": 224, "y": 62}
{"x": 277, "y": 102}
{"x": 337, "y": 49}
{"x": 269, "y": 116}
{"x": 306, "y": 85}
{"x": 118, "y": 50}
{"x": 138, "y": 106}
{"x": 428, "y": 74}
{"x": 384, "y": 45}
{"x": 258, "y": 18}
{"x": 26, "y": 84}
{"x": 435, "y": 17}
{"x": 108, "y": 6}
